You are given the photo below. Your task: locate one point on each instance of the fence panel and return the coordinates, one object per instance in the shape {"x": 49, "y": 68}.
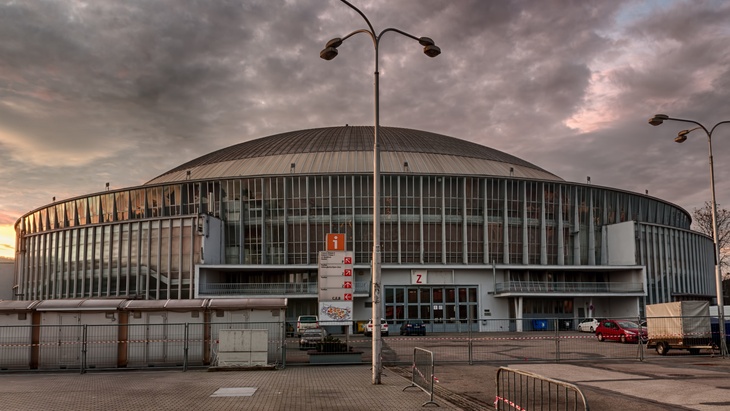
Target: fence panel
{"x": 422, "y": 375}
{"x": 159, "y": 344}
{"x": 101, "y": 346}
{"x": 15, "y": 347}
{"x": 522, "y": 390}
{"x": 59, "y": 346}
{"x": 501, "y": 343}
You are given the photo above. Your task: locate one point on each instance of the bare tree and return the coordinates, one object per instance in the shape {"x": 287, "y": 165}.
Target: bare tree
{"x": 703, "y": 223}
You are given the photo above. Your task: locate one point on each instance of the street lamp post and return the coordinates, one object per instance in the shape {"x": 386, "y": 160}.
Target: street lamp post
{"x": 658, "y": 119}
{"x": 330, "y": 52}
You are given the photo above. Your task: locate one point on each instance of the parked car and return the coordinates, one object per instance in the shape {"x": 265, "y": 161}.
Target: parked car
{"x": 413, "y": 327}
{"x": 306, "y": 322}
{"x": 588, "y": 325}
{"x": 311, "y": 337}
{"x": 620, "y": 330}
{"x": 383, "y": 327}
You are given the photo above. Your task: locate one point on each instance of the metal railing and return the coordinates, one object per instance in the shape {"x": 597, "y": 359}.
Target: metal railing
{"x": 522, "y": 390}
{"x": 567, "y": 287}
{"x": 223, "y": 289}
{"x": 422, "y": 375}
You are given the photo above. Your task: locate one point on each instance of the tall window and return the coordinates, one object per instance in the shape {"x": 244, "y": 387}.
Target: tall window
{"x": 297, "y": 220}
{"x": 253, "y": 215}
{"x": 274, "y": 220}
{"x": 432, "y": 209}
{"x": 514, "y": 220}
{"x": 410, "y": 229}
{"x": 454, "y": 219}
{"x": 154, "y": 202}
{"x": 231, "y": 207}
{"x": 389, "y": 220}
{"x": 534, "y": 210}
{"x": 363, "y": 218}
{"x": 552, "y": 210}
{"x": 319, "y": 214}
{"x": 495, "y": 219}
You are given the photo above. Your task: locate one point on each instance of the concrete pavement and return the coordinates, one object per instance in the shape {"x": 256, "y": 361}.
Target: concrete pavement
{"x": 676, "y": 382}
{"x": 293, "y": 388}
{"x": 670, "y": 383}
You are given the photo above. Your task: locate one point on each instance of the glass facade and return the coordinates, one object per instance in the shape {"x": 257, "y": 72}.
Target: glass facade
{"x": 143, "y": 243}
{"x": 433, "y": 304}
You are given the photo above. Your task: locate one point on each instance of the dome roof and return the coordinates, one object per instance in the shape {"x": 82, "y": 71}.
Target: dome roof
{"x": 349, "y": 149}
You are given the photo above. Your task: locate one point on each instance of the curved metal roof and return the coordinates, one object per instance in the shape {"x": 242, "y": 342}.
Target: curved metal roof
{"x": 349, "y": 149}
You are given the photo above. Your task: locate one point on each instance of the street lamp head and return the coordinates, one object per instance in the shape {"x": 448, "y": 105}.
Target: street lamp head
{"x": 328, "y": 53}
{"x": 426, "y": 41}
{"x": 330, "y": 49}
{"x": 431, "y": 50}
{"x": 681, "y": 136}
{"x": 658, "y": 119}
{"x": 429, "y": 47}
{"x": 335, "y": 42}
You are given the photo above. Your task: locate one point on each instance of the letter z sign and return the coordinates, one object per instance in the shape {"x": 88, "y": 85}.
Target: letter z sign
{"x": 419, "y": 277}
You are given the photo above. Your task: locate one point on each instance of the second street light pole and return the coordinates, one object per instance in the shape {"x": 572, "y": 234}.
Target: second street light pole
{"x": 658, "y": 119}
{"x": 330, "y": 52}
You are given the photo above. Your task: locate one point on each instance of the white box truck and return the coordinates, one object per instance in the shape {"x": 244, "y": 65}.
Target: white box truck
{"x": 681, "y": 325}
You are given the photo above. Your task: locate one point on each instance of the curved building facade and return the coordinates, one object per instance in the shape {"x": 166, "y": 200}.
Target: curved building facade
{"x": 467, "y": 232}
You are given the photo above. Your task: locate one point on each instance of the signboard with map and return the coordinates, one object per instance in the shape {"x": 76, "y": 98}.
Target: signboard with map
{"x": 336, "y": 286}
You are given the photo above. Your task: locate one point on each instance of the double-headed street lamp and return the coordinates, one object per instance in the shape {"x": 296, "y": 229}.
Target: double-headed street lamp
{"x": 330, "y": 52}
{"x": 658, "y": 119}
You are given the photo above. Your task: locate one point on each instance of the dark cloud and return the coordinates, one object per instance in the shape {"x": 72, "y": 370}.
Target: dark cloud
{"x": 123, "y": 91}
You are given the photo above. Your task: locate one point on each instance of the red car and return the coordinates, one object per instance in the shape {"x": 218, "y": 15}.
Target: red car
{"x": 620, "y": 330}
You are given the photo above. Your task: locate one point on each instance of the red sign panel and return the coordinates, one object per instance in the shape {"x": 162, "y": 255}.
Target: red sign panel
{"x": 336, "y": 242}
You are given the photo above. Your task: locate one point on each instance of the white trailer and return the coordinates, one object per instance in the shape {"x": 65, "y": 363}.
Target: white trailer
{"x": 681, "y": 325}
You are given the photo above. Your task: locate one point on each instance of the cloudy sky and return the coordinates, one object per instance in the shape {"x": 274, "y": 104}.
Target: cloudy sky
{"x": 121, "y": 91}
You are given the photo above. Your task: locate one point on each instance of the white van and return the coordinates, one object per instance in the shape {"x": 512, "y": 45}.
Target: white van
{"x": 305, "y": 322}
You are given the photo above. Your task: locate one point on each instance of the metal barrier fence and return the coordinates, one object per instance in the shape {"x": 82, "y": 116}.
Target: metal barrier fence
{"x": 497, "y": 343}
{"x": 83, "y": 347}
{"x": 87, "y": 346}
{"x": 521, "y": 390}
{"x": 422, "y": 375}
{"x": 501, "y": 341}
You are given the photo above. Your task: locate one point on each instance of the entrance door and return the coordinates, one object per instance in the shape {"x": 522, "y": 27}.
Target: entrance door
{"x": 442, "y": 308}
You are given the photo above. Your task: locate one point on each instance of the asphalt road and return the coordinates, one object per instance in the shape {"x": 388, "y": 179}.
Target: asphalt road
{"x": 489, "y": 347}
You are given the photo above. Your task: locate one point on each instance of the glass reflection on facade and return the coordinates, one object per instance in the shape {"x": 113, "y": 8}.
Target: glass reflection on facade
{"x": 143, "y": 243}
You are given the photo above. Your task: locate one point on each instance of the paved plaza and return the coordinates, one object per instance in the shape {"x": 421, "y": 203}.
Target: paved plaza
{"x": 679, "y": 382}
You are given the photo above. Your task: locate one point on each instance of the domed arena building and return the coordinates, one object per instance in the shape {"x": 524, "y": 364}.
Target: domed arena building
{"x": 467, "y": 232}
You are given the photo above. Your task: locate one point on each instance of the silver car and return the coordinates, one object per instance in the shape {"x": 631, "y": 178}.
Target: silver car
{"x": 311, "y": 337}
